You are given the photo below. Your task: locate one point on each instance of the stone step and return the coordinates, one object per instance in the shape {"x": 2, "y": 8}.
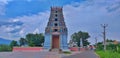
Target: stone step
{"x": 55, "y": 50}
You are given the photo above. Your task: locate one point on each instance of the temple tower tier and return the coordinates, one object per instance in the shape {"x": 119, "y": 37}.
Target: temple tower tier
{"x": 56, "y": 30}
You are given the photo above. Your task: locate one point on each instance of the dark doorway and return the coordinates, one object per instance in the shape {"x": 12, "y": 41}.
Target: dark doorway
{"x": 55, "y": 41}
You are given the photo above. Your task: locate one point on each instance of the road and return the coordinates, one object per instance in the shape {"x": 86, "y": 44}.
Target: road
{"x": 29, "y": 55}
{"x": 85, "y": 54}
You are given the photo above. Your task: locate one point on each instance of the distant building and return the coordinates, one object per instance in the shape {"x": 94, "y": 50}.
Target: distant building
{"x": 113, "y": 42}
{"x": 116, "y": 42}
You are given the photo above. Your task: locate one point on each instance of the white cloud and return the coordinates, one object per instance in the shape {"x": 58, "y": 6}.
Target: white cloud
{"x": 38, "y": 0}
{"x": 88, "y": 16}
{"x": 5, "y": 1}
{"x": 2, "y": 6}
{"x": 22, "y": 32}
{"x": 43, "y": 0}
{"x": 29, "y": 0}
{"x": 15, "y": 20}
{"x": 31, "y": 24}
{"x": 6, "y": 29}
{"x": 36, "y": 31}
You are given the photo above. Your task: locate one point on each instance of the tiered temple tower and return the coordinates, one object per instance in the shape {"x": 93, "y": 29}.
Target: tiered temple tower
{"x": 56, "y": 30}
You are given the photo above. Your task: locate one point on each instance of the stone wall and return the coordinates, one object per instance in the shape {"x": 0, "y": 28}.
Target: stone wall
{"x": 27, "y": 49}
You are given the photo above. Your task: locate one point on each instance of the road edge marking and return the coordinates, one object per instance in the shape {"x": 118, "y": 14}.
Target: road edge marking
{"x": 97, "y": 55}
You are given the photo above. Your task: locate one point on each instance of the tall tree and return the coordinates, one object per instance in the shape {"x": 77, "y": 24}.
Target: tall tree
{"x": 35, "y": 39}
{"x": 81, "y": 35}
{"x": 14, "y": 43}
{"x": 22, "y": 41}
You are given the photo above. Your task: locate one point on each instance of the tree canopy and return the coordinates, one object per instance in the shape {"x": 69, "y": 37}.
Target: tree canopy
{"x": 22, "y": 41}
{"x": 14, "y": 43}
{"x": 35, "y": 39}
{"x": 81, "y": 35}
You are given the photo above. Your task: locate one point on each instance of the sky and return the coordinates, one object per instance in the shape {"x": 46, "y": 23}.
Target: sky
{"x": 20, "y": 17}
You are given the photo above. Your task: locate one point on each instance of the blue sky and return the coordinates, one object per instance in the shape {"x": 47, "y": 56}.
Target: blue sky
{"x": 19, "y": 17}
{"x": 30, "y": 7}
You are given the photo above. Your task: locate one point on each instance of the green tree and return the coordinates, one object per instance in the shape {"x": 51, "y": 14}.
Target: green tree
{"x": 35, "y": 39}
{"x": 22, "y": 41}
{"x": 107, "y": 40}
{"x": 81, "y": 35}
{"x": 14, "y": 43}
{"x": 99, "y": 46}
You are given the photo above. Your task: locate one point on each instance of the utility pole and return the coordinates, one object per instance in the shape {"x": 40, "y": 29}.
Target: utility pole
{"x": 104, "y": 35}
{"x": 96, "y": 41}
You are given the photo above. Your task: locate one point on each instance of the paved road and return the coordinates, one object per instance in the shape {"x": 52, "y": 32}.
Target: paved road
{"x": 85, "y": 54}
{"x": 29, "y": 55}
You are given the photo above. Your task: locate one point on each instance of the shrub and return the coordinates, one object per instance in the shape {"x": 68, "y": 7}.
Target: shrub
{"x": 66, "y": 52}
{"x": 4, "y": 47}
{"x": 108, "y": 54}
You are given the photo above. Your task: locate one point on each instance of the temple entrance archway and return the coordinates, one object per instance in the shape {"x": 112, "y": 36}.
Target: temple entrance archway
{"x": 55, "y": 42}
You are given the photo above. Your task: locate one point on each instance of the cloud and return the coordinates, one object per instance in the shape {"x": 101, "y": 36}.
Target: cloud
{"x": 88, "y": 15}
{"x": 2, "y": 8}
{"x": 20, "y": 26}
{"x": 114, "y": 7}
{"x": 5, "y": 1}
{"x": 3, "y": 5}
{"x": 11, "y": 23}
{"x": 10, "y": 27}
{"x": 36, "y": 31}
{"x": 29, "y": 0}
{"x": 15, "y": 20}
{"x": 21, "y": 33}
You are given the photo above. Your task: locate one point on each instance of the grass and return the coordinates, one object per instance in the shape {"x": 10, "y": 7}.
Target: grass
{"x": 108, "y": 54}
{"x": 66, "y": 52}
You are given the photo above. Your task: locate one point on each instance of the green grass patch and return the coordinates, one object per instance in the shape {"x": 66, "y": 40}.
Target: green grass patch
{"x": 66, "y": 52}
{"x": 108, "y": 54}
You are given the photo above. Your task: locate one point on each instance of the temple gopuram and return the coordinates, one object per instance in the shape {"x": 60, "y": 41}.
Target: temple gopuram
{"x": 56, "y": 31}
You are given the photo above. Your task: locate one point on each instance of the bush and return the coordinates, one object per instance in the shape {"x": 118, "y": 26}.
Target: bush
{"x": 112, "y": 47}
{"x": 4, "y": 47}
{"x": 118, "y": 48}
{"x": 66, "y": 52}
{"x": 108, "y": 54}
{"x": 99, "y": 47}
{"x": 113, "y": 51}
